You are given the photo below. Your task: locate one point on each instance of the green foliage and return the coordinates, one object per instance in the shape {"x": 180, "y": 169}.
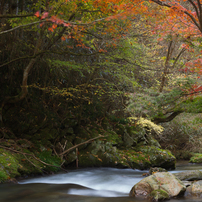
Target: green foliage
{"x": 182, "y": 135}
{"x": 151, "y": 103}
{"x": 9, "y": 164}
{"x": 193, "y": 105}
{"x": 87, "y": 74}
{"x": 159, "y": 194}
{"x": 3, "y": 176}
{"x": 118, "y": 119}
{"x": 113, "y": 138}
{"x": 48, "y": 158}
{"x": 146, "y": 156}
{"x": 196, "y": 158}
{"x": 15, "y": 164}
{"x": 145, "y": 123}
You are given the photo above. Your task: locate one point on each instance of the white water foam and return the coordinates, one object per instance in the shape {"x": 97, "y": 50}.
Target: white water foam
{"x": 105, "y": 182}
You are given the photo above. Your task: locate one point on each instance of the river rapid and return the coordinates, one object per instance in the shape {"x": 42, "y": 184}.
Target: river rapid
{"x": 83, "y": 185}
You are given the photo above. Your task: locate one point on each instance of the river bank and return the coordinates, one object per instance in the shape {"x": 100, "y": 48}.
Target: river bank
{"x": 110, "y": 145}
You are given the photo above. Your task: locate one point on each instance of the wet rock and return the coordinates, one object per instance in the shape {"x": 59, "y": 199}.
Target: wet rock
{"x": 189, "y": 175}
{"x": 156, "y": 169}
{"x": 161, "y": 185}
{"x": 195, "y": 189}
{"x": 187, "y": 183}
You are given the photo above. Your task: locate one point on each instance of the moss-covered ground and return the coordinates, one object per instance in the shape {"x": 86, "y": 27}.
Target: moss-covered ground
{"x": 14, "y": 164}
{"x": 196, "y": 158}
{"x": 121, "y": 146}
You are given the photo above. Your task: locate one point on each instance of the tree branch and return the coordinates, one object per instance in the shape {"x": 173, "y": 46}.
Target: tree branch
{"x": 74, "y": 147}
{"x": 21, "y": 58}
{"x": 195, "y": 8}
{"x": 49, "y": 52}
{"x": 178, "y": 56}
{"x": 16, "y": 16}
{"x": 26, "y": 25}
{"x": 50, "y": 21}
{"x": 161, "y": 3}
{"x": 188, "y": 14}
{"x": 76, "y": 54}
{"x": 168, "y": 118}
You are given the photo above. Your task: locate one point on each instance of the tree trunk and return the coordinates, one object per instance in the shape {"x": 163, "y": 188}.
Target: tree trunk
{"x": 24, "y": 87}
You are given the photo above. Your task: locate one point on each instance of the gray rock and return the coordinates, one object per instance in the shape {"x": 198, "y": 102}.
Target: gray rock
{"x": 164, "y": 184}
{"x": 195, "y": 189}
{"x": 153, "y": 170}
{"x": 189, "y": 175}
{"x": 187, "y": 183}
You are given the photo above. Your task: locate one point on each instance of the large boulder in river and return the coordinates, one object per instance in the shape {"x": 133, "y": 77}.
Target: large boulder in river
{"x": 195, "y": 189}
{"x": 159, "y": 186}
{"x": 189, "y": 175}
{"x": 157, "y": 157}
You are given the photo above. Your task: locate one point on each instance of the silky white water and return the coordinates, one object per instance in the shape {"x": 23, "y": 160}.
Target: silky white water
{"x": 83, "y": 185}
{"x": 105, "y": 182}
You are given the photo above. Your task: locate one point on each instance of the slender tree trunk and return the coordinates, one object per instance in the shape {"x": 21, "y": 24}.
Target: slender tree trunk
{"x": 165, "y": 72}
{"x": 2, "y": 7}
{"x": 24, "y": 87}
{"x": 169, "y": 56}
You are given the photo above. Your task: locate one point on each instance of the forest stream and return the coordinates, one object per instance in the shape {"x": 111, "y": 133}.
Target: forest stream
{"x": 90, "y": 185}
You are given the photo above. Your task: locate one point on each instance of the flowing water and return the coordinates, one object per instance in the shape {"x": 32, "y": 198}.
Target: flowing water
{"x": 83, "y": 185}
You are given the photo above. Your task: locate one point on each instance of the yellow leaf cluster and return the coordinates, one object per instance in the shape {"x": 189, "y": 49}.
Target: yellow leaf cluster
{"x": 142, "y": 122}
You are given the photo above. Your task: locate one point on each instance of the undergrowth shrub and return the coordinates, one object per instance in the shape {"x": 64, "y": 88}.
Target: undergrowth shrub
{"x": 183, "y": 135}
{"x": 48, "y": 158}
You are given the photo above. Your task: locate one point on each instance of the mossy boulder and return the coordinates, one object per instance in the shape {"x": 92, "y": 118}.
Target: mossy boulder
{"x": 159, "y": 195}
{"x": 13, "y": 164}
{"x": 153, "y": 142}
{"x": 196, "y": 158}
{"x": 99, "y": 153}
{"x": 159, "y": 157}
{"x": 8, "y": 165}
{"x": 162, "y": 185}
{"x": 97, "y": 160}
{"x": 146, "y": 156}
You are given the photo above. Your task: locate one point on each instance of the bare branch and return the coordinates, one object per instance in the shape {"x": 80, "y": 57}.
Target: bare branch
{"x": 21, "y": 58}
{"x": 16, "y": 16}
{"x": 199, "y": 6}
{"x": 161, "y": 3}
{"x": 178, "y": 56}
{"x": 188, "y": 14}
{"x": 50, "y": 21}
{"x": 26, "y": 25}
{"x": 74, "y": 147}
{"x": 167, "y": 119}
